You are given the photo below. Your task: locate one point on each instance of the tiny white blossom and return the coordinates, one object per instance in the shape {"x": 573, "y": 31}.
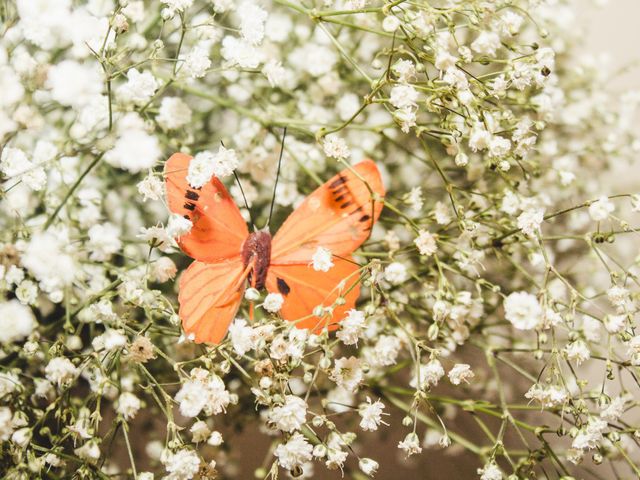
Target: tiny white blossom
{"x": 290, "y": 416}
{"x": 371, "y": 413}
{"x": 294, "y": 453}
{"x": 410, "y": 444}
{"x": 461, "y": 372}
{"x": 322, "y": 260}
{"x": 601, "y": 209}
{"x": 426, "y": 242}
{"x": 336, "y": 147}
{"x": 273, "y": 302}
{"x": 523, "y": 310}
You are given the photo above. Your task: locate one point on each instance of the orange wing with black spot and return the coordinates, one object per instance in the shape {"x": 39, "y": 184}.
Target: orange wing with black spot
{"x": 218, "y": 230}
{"x": 339, "y": 216}
{"x": 211, "y": 289}
{"x": 210, "y": 295}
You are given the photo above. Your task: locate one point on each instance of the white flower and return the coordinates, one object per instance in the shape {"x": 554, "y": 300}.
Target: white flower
{"x": 336, "y": 147}
{"x": 347, "y": 373}
{"x": 74, "y": 84}
{"x": 242, "y": 336}
{"x": 613, "y": 411}
{"x": 601, "y": 209}
{"x": 199, "y": 431}
{"x": 322, "y": 260}
{"x": 104, "y": 241}
{"x": 179, "y": 5}
{"x": 128, "y": 405}
{"x": 204, "y": 391}
{"x": 135, "y": 150}
{"x": 215, "y": 440}
{"x": 577, "y": 351}
{"x": 240, "y": 52}
{"x": 368, "y": 466}
{"x": 461, "y": 372}
{"x": 182, "y": 465}
{"x": 163, "y": 270}
{"x": 486, "y": 43}
{"x": 178, "y": 225}
{"x": 140, "y": 87}
{"x": 196, "y": 63}
{"x": 426, "y": 243}
{"x": 386, "y": 350}
{"x": 61, "y": 371}
{"x": 403, "y": 96}
{"x": 14, "y": 162}
{"x": 510, "y": 22}
{"x": 530, "y": 220}
{"x": 173, "y": 114}
{"x": 16, "y": 321}
{"x": 523, "y": 310}
{"x": 352, "y": 327}
{"x": 89, "y": 451}
{"x": 273, "y": 302}
{"x": 207, "y": 164}
{"x": 151, "y": 188}
{"x": 404, "y": 69}
{"x": 290, "y": 416}
{"x": 490, "y": 471}
{"x": 589, "y": 436}
{"x": 391, "y": 23}
{"x": 410, "y": 444}
{"x": 293, "y": 453}
{"x": 9, "y": 383}
{"x": 276, "y": 74}
{"x": 395, "y": 273}
{"x": 615, "y": 324}
{"x": 6, "y": 423}
{"x": 371, "y": 414}
{"x": 110, "y": 340}
{"x": 252, "y": 20}
{"x": 549, "y": 396}
{"x": 429, "y": 375}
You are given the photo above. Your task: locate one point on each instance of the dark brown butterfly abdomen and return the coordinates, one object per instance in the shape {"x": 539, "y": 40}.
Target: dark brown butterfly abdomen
{"x": 257, "y": 248}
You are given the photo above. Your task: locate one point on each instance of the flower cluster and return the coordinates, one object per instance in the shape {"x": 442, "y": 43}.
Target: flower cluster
{"x": 500, "y": 285}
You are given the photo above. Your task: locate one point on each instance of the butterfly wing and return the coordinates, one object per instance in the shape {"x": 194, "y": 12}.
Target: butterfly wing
{"x": 218, "y": 230}
{"x": 209, "y": 297}
{"x": 339, "y": 216}
{"x": 304, "y": 289}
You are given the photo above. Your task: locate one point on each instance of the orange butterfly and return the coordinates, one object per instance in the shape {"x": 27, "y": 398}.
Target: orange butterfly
{"x": 338, "y": 215}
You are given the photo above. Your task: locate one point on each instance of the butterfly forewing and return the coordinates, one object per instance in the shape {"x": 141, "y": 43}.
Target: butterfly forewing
{"x": 338, "y": 215}
{"x": 218, "y": 230}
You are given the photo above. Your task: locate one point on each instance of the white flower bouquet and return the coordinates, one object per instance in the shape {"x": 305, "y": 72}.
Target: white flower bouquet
{"x": 489, "y": 305}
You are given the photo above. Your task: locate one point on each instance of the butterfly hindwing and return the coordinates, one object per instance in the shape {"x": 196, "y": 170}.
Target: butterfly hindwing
{"x": 338, "y": 215}
{"x": 218, "y": 230}
{"x": 304, "y": 289}
{"x": 209, "y": 297}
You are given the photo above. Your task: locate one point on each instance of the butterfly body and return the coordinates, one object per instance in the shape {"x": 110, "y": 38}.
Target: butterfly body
{"x": 257, "y": 250}
{"x": 338, "y": 216}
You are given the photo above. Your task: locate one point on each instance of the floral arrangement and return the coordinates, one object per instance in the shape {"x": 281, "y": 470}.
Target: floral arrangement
{"x": 499, "y": 285}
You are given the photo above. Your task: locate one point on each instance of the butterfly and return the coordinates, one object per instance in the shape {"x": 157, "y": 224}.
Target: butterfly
{"x": 338, "y": 216}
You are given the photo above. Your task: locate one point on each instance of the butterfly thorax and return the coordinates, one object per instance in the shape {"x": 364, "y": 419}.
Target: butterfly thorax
{"x": 257, "y": 249}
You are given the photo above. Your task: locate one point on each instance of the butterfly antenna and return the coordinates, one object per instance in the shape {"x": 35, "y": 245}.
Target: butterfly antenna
{"x": 244, "y": 197}
{"x": 275, "y": 186}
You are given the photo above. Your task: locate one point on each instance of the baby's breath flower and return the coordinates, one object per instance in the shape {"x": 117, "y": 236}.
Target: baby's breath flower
{"x": 322, "y": 260}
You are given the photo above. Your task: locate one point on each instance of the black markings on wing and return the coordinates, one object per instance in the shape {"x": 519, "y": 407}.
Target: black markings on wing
{"x": 190, "y": 206}
{"x": 283, "y": 287}
{"x": 191, "y": 195}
